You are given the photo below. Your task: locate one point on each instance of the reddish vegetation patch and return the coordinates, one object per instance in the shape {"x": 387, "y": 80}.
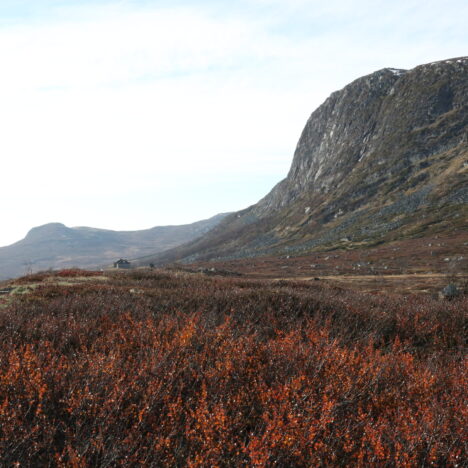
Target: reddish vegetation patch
{"x": 76, "y": 272}
{"x": 158, "y": 369}
{"x": 45, "y": 275}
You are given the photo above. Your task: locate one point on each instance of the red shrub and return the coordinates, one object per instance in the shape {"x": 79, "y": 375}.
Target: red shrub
{"x": 170, "y": 370}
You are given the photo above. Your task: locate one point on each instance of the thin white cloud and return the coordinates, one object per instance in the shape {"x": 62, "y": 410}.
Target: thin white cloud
{"x": 125, "y": 102}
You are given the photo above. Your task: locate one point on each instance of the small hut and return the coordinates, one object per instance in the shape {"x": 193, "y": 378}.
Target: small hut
{"x": 122, "y": 264}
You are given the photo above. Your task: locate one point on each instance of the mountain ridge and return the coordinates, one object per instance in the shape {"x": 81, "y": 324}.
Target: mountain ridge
{"x": 54, "y": 245}
{"x": 382, "y": 159}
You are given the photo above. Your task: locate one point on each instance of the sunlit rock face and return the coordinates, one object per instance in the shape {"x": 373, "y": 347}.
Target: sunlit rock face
{"x": 375, "y": 128}
{"x": 384, "y": 158}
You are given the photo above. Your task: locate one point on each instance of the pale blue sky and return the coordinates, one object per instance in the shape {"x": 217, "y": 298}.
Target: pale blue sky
{"x": 131, "y": 114}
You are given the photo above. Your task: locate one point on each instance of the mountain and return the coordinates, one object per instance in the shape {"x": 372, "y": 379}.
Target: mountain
{"x": 55, "y": 245}
{"x": 385, "y": 158}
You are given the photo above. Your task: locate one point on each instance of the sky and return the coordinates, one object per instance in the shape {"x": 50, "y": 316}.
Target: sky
{"x": 132, "y": 114}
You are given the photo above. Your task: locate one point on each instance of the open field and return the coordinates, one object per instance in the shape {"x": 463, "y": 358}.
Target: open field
{"x": 423, "y": 265}
{"x": 159, "y": 368}
{"x": 403, "y": 284}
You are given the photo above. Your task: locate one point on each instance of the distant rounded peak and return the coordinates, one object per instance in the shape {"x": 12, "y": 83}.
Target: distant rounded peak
{"x": 47, "y": 229}
{"x": 50, "y": 226}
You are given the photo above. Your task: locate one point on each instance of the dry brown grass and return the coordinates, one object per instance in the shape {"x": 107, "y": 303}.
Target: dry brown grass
{"x": 422, "y": 265}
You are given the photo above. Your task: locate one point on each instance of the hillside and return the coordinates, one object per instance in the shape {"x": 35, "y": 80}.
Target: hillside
{"x": 56, "y": 246}
{"x": 383, "y": 159}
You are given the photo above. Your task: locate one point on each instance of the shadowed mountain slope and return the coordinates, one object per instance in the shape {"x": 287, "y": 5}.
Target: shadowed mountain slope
{"x": 56, "y": 246}
{"x": 384, "y": 158}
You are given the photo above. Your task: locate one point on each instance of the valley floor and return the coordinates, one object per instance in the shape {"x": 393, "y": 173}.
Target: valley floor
{"x": 424, "y": 265}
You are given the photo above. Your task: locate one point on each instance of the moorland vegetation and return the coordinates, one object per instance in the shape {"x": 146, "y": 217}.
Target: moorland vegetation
{"x": 158, "y": 368}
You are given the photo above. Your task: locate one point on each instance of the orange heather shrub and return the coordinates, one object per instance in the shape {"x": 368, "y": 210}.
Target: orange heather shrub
{"x": 166, "y": 369}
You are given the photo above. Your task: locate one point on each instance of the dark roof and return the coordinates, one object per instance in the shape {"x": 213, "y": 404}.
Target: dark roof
{"x": 121, "y": 261}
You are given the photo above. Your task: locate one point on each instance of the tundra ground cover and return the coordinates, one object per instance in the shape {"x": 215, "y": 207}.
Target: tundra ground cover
{"x": 175, "y": 369}
{"x": 422, "y": 265}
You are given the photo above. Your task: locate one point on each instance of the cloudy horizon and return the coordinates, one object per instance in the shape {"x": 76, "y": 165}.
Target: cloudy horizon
{"x": 126, "y": 115}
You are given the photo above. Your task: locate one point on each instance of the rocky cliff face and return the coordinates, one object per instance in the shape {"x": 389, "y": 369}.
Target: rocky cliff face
{"x": 380, "y": 126}
{"x": 335, "y": 138}
{"x": 384, "y": 158}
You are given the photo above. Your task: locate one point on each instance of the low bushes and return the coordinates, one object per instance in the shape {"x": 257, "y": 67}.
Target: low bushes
{"x": 174, "y": 370}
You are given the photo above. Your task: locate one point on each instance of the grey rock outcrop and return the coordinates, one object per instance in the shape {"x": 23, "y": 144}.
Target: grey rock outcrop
{"x": 384, "y": 158}
{"x": 449, "y": 292}
{"x": 379, "y": 126}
